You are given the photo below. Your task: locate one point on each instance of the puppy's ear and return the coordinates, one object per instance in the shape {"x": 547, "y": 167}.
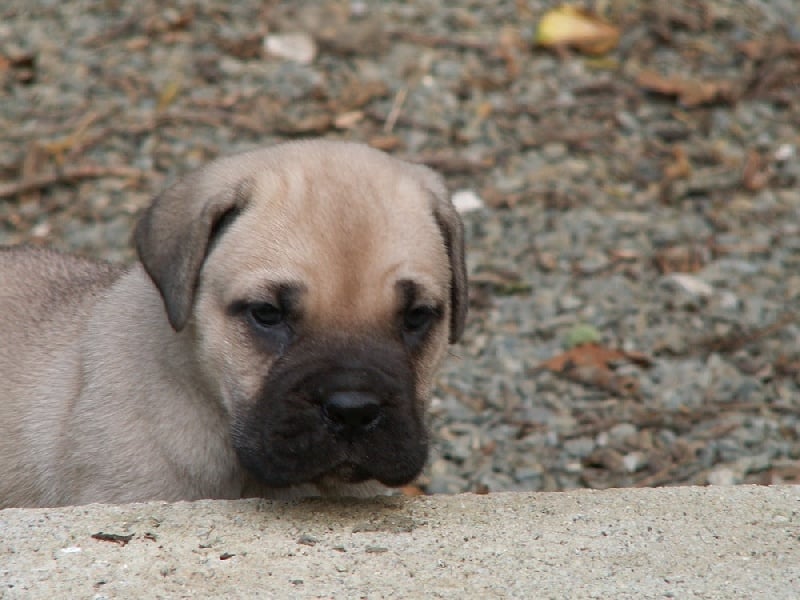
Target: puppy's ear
{"x": 174, "y": 235}
{"x": 452, "y": 229}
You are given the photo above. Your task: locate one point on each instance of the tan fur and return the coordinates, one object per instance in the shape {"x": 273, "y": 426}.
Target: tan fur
{"x": 124, "y": 385}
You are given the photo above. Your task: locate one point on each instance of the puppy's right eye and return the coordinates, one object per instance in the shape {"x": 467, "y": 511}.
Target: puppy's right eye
{"x": 267, "y": 315}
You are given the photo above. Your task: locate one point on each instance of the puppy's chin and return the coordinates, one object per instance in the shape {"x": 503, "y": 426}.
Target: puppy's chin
{"x": 272, "y": 470}
{"x": 347, "y": 473}
{"x": 351, "y": 474}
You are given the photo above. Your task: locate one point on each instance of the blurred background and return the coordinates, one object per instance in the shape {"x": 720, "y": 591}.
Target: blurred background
{"x": 628, "y": 173}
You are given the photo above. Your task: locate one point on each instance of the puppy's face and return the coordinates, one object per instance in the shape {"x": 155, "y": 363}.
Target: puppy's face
{"x": 323, "y": 307}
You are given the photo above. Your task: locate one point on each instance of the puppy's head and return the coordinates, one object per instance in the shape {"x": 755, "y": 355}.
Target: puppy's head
{"x": 321, "y": 282}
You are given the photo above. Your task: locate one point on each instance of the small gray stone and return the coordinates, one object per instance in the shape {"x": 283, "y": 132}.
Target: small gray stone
{"x": 724, "y": 476}
{"x": 621, "y": 432}
{"x": 634, "y": 461}
{"x": 579, "y": 447}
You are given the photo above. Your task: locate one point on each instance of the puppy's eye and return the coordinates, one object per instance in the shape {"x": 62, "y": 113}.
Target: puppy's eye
{"x": 267, "y": 315}
{"x": 419, "y": 318}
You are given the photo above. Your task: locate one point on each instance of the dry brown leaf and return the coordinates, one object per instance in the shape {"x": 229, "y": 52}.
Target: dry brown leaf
{"x": 593, "y": 355}
{"x": 679, "y": 168}
{"x": 348, "y": 120}
{"x": 386, "y": 143}
{"x": 682, "y": 259}
{"x": 509, "y": 43}
{"x": 32, "y": 163}
{"x": 576, "y": 28}
{"x": 411, "y": 491}
{"x": 169, "y": 21}
{"x": 21, "y": 67}
{"x": 689, "y": 92}
{"x": 137, "y": 43}
{"x": 244, "y": 48}
{"x": 592, "y": 364}
{"x": 316, "y": 123}
{"x": 760, "y": 49}
{"x": 619, "y": 254}
{"x": 756, "y": 172}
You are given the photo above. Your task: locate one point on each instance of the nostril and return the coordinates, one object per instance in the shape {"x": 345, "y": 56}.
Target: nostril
{"x": 352, "y": 412}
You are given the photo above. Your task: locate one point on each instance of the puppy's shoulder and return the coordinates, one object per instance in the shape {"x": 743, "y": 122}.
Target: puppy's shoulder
{"x": 43, "y": 276}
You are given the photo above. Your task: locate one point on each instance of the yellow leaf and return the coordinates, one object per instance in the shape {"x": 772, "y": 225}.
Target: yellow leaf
{"x": 168, "y": 95}
{"x": 571, "y": 26}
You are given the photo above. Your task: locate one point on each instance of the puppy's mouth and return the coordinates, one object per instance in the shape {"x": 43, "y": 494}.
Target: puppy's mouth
{"x": 319, "y": 456}
{"x": 367, "y": 430}
{"x": 347, "y": 472}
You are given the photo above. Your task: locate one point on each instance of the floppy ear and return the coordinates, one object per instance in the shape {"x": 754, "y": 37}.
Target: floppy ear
{"x": 175, "y": 234}
{"x": 452, "y": 229}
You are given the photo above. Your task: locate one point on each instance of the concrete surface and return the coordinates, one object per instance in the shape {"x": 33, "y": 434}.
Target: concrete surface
{"x": 714, "y": 542}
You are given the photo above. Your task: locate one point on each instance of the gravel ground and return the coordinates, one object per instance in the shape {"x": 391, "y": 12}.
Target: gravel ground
{"x": 646, "y": 201}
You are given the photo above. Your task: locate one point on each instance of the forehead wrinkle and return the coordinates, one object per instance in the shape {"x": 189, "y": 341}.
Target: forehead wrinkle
{"x": 261, "y": 284}
{"x": 335, "y": 226}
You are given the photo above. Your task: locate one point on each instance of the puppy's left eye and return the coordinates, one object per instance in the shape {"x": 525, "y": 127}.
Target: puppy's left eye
{"x": 267, "y": 315}
{"x": 418, "y": 318}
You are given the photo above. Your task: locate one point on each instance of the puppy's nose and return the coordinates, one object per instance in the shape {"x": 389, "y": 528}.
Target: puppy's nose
{"x": 352, "y": 412}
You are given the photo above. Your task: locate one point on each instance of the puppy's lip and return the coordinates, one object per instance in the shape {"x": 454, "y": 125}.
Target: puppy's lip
{"x": 347, "y": 472}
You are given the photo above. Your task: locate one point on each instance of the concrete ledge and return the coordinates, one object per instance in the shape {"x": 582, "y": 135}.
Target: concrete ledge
{"x": 714, "y": 542}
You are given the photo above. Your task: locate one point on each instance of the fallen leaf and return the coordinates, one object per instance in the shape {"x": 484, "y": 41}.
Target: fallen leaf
{"x": 594, "y": 365}
{"x": 137, "y": 43}
{"x": 411, "y": 491}
{"x": 756, "y": 172}
{"x": 245, "y": 48}
{"x": 386, "y": 143}
{"x": 481, "y": 489}
{"x": 689, "y": 92}
{"x": 32, "y": 163}
{"x": 170, "y": 20}
{"x": 760, "y": 49}
{"x": 787, "y": 367}
{"x": 593, "y": 355}
{"x": 576, "y": 28}
{"x": 500, "y": 281}
{"x": 168, "y": 95}
{"x": 348, "y": 120}
{"x": 509, "y": 42}
{"x": 19, "y": 67}
{"x": 683, "y": 259}
{"x": 316, "y": 123}
{"x": 357, "y": 94}
{"x": 618, "y": 254}
{"x": 679, "y": 168}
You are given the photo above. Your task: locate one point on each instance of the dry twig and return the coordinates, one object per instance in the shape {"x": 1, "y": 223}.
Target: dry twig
{"x": 68, "y": 175}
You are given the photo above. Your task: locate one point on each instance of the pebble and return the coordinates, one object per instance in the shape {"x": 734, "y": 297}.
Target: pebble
{"x": 694, "y": 286}
{"x": 467, "y": 201}
{"x": 621, "y": 432}
{"x": 634, "y": 461}
{"x": 298, "y": 47}
{"x": 579, "y": 447}
{"x": 723, "y": 476}
{"x": 569, "y": 303}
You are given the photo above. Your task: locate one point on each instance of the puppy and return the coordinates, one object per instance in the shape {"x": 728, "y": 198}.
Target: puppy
{"x": 278, "y": 337}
